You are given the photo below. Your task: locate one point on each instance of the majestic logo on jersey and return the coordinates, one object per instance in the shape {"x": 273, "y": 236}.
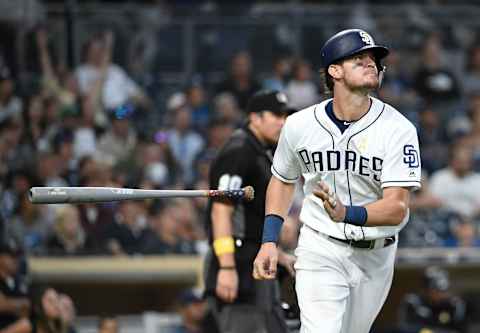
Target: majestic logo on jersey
{"x": 410, "y": 156}
{"x": 333, "y": 160}
{"x": 366, "y": 38}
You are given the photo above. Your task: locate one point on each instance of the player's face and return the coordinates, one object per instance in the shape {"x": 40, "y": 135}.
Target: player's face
{"x": 360, "y": 72}
{"x": 269, "y": 125}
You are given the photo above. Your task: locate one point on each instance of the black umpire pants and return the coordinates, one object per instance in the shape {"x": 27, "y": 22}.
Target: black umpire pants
{"x": 263, "y": 314}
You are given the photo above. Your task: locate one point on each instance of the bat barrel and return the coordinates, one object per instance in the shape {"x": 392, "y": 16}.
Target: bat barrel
{"x": 58, "y": 195}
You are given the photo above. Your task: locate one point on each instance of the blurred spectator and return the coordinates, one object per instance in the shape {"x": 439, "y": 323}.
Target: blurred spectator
{"x": 226, "y": 107}
{"x": 119, "y": 141}
{"x": 48, "y": 170}
{"x": 63, "y": 144}
{"x": 68, "y": 236}
{"x": 29, "y": 226}
{"x": 457, "y": 185}
{"x": 435, "y": 309}
{"x": 192, "y": 309}
{"x": 282, "y": 68}
{"x": 10, "y": 105}
{"x": 473, "y": 137}
{"x": 198, "y": 103}
{"x": 434, "y": 82}
{"x": 430, "y": 219}
{"x": 189, "y": 226}
{"x": 162, "y": 236}
{"x": 471, "y": 79}
{"x": 424, "y": 199}
{"x": 433, "y": 140}
{"x": 94, "y": 219}
{"x": 14, "y": 291}
{"x": 18, "y": 154}
{"x": 17, "y": 186}
{"x": 47, "y": 313}
{"x": 185, "y": 144}
{"x": 464, "y": 233}
{"x": 240, "y": 83}
{"x": 64, "y": 86}
{"x": 124, "y": 235}
{"x": 108, "y": 324}
{"x": 301, "y": 90}
{"x": 97, "y": 72}
{"x": 67, "y": 312}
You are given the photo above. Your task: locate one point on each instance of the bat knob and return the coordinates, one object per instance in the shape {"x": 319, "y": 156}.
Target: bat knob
{"x": 248, "y": 193}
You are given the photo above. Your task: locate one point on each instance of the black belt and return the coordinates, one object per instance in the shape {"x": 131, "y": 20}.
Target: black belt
{"x": 366, "y": 244}
{"x": 360, "y": 244}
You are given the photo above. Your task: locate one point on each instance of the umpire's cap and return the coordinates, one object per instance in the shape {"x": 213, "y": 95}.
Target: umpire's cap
{"x": 349, "y": 42}
{"x": 269, "y": 100}
{"x": 436, "y": 278}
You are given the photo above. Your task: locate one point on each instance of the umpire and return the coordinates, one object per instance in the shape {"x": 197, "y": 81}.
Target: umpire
{"x": 238, "y": 302}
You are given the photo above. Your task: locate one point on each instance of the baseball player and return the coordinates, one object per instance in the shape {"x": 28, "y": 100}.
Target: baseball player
{"x": 359, "y": 158}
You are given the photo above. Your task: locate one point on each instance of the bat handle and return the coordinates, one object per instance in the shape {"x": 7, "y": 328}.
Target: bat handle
{"x": 246, "y": 193}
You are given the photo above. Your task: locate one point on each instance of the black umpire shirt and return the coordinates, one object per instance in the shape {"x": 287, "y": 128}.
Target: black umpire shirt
{"x": 242, "y": 161}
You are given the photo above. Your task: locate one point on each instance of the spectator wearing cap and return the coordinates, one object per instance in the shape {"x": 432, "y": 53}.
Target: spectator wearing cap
{"x": 435, "y": 308}
{"x": 198, "y": 103}
{"x": 192, "y": 309}
{"x": 10, "y": 105}
{"x": 14, "y": 291}
{"x": 120, "y": 140}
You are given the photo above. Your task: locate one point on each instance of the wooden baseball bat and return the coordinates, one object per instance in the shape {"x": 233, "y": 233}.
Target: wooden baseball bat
{"x": 59, "y": 195}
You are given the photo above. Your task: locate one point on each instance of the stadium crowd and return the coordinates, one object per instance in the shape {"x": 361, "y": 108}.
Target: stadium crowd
{"x": 93, "y": 125}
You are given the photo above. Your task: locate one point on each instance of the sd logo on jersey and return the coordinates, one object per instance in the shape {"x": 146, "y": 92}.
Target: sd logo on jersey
{"x": 410, "y": 156}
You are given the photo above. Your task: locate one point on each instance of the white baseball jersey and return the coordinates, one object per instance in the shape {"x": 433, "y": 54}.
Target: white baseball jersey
{"x": 377, "y": 151}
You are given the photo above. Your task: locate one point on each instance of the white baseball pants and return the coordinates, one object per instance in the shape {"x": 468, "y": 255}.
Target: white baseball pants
{"x": 340, "y": 289}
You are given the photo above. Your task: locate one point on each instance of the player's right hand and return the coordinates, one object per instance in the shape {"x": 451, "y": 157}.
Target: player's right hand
{"x": 265, "y": 264}
{"x": 227, "y": 285}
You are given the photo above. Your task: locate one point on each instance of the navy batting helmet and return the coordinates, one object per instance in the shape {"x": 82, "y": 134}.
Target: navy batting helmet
{"x": 349, "y": 42}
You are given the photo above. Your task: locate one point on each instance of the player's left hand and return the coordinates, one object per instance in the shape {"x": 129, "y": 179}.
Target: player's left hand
{"x": 333, "y": 206}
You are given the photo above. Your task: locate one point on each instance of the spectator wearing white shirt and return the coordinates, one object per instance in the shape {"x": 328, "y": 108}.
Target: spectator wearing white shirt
{"x": 113, "y": 84}
{"x": 457, "y": 186}
{"x": 185, "y": 144}
{"x": 301, "y": 90}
